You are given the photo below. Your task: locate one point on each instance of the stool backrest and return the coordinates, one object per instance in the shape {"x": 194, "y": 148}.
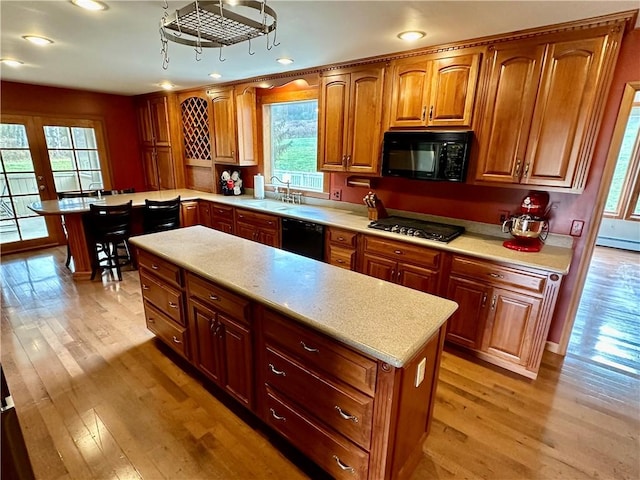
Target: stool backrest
{"x": 89, "y": 193}
{"x": 161, "y": 215}
{"x": 110, "y": 223}
{"x": 117, "y": 192}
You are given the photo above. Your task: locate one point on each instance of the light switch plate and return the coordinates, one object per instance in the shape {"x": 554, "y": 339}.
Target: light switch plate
{"x": 420, "y": 371}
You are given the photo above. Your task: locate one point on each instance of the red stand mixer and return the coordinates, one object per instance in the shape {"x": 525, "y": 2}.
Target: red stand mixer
{"x": 530, "y": 228}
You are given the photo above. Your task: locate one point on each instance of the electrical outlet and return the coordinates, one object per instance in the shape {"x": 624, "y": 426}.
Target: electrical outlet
{"x": 420, "y": 372}
{"x": 576, "y": 228}
{"x": 503, "y": 215}
{"x": 336, "y": 194}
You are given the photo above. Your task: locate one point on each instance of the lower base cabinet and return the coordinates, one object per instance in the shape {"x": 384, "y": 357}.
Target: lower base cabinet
{"x": 504, "y": 312}
{"x": 353, "y": 415}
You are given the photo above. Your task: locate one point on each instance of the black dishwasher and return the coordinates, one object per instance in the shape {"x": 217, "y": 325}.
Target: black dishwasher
{"x": 302, "y": 237}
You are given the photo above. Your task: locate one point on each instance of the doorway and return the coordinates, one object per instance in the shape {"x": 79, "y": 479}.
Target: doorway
{"x": 605, "y": 327}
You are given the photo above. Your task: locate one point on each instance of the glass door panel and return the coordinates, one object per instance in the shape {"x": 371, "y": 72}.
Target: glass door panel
{"x": 21, "y": 184}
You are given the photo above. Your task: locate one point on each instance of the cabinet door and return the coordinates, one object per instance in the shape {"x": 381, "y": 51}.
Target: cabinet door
{"x": 269, "y": 237}
{"x": 510, "y": 324}
{"x": 418, "y": 278}
{"x": 365, "y": 116}
{"x": 224, "y": 126}
{"x": 188, "y": 214}
{"x": 333, "y": 122}
{"x": 410, "y": 83}
{"x": 196, "y": 126}
{"x": 159, "y": 113}
{"x": 248, "y": 231}
{"x": 247, "y": 127}
{"x": 164, "y": 164}
{"x": 513, "y": 85}
{"x": 453, "y": 89}
{"x": 466, "y": 325}
{"x": 564, "y": 108}
{"x": 235, "y": 341}
{"x": 379, "y": 267}
{"x": 150, "y": 168}
{"x": 204, "y": 213}
{"x": 207, "y": 355}
{"x": 145, "y": 129}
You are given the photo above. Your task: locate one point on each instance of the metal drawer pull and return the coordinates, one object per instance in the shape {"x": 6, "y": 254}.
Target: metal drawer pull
{"x": 308, "y": 349}
{"x": 346, "y": 416}
{"x": 496, "y": 275}
{"x": 151, "y": 320}
{"x": 145, "y": 287}
{"x": 154, "y": 266}
{"x": 340, "y": 260}
{"x": 344, "y": 467}
{"x": 213, "y": 297}
{"x": 493, "y": 302}
{"x": 276, "y": 371}
{"x": 173, "y": 305}
{"x": 276, "y": 416}
{"x": 341, "y": 239}
{"x": 398, "y": 252}
{"x": 175, "y": 340}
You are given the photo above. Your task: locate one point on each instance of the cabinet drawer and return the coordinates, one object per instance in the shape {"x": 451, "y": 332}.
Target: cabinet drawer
{"x": 348, "y": 411}
{"x": 163, "y": 269}
{"x": 342, "y": 237}
{"x": 401, "y": 251}
{"x": 162, "y": 296}
{"x": 338, "y": 456}
{"x": 217, "y": 297}
{"x": 320, "y": 353}
{"x": 498, "y": 274}
{"x": 165, "y": 329}
{"x": 341, "y": 257}
{"x": 268, "y": 222}
{"x": 220, "y": 211}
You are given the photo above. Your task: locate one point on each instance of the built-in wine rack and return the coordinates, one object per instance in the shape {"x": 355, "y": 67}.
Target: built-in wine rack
{"x": 195, "y": 128}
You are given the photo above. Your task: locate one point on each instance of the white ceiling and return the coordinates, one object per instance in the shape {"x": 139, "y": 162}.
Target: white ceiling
{"x": 118, "y": 50}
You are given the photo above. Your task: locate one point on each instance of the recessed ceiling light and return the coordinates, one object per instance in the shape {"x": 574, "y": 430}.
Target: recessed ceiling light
{"x": 37, "y": 40}
{"x": 284, "y": 60}
{"x": 411, "y": 35}
{"x": 92, "y": 5}
{"x": 215, "y": 75}
{"x": 167, "y": 85}
{"x": 11, "y": 62}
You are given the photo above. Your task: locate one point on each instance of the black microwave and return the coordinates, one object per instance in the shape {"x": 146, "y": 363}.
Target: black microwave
{"x": 426, "y": 155}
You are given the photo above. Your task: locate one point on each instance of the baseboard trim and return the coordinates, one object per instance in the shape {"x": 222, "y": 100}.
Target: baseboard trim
{"x": 553, "y": 347}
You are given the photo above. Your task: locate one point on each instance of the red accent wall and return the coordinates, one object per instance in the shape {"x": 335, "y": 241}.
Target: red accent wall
{"x": 482, "y": 204}
{"x": 116, "y": 111}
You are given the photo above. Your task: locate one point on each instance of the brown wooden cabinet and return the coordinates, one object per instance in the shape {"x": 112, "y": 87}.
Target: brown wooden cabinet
{"x": 433, "y": 90}
{"x": 246, "y": 117}
{"x": 222, "y": 218}
{"x": 196, "y": 124}
{"x": 188, "y": 213}
{"x": 155, "y": 133}
{"x": 542, "y": 107}
{"x": 341, "y": 248}
{"x": 350, "y": 114}
{"x": 504, "y": 311}
{"x": 222, "y": 337}
{"x": 403, "y": 263}
{"x": 204, "y": 213}
{"x": 224, "y": 133}
{"x": 258, "y": 227}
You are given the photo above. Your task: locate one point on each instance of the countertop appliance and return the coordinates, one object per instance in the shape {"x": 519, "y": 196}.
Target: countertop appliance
{"x": 429, "y": 155}
{"x": 303, "y": 237}
{"x": 530, "y": 228}
{"x": 418, "y": 228}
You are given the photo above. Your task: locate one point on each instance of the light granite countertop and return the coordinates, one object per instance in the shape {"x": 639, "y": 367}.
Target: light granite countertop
{"x": 384, "y": 320}
{"x": 480, "y": 240}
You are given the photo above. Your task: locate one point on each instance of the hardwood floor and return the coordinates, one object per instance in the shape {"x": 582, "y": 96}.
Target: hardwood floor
{"x": 98, "y": 397}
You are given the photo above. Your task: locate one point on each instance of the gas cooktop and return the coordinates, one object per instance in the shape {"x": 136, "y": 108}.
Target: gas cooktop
{"x": 418, "y": 228}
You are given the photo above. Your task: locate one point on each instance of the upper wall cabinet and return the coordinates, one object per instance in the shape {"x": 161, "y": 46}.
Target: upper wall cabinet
{"x": 196, "y": 125}
{"x": 543, "y": 108}
{"x": 350, "y": 113}
{"x": 234, "y": 131}
{"x": 433, "y": 90}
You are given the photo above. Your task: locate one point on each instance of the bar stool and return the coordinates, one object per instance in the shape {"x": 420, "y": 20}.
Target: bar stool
{"x": 109, "y": 227}
{"x": 161, "y": 215}
{"x": 62, "y": 195}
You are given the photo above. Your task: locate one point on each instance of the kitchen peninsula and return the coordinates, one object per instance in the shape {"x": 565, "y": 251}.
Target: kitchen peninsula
{"x": 343, "y": 365}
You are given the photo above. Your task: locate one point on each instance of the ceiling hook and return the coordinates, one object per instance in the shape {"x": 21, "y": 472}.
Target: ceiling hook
{"x": 250, "y": 51}
{"x": 220, "y": 55}
{"x": 165, "y": 5}
{"x": 275, "y": 35}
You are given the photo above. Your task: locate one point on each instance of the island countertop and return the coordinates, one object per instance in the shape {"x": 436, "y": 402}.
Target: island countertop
{"x": 384, "y": 320}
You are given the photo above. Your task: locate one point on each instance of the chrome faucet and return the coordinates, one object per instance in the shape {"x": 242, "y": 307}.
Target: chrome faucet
{"x": 287, "y": 196}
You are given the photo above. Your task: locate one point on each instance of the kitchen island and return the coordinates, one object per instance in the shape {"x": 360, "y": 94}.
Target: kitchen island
{"x": 343, "y": 365}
